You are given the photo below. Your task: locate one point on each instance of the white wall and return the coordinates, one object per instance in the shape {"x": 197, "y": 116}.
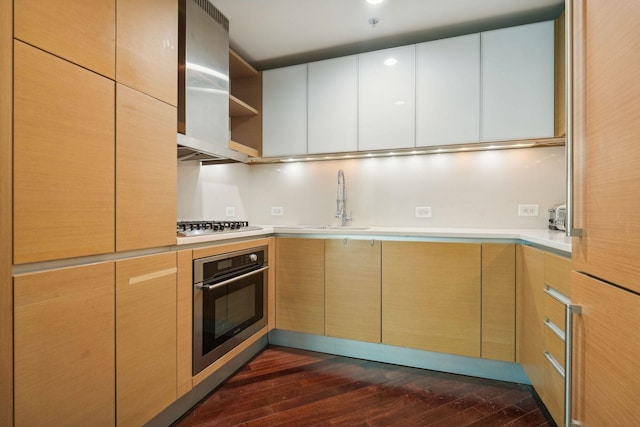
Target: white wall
{"x": 475, "y": 189}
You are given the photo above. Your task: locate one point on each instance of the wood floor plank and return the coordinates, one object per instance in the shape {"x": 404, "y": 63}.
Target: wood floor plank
{"x": 291, "y": 387}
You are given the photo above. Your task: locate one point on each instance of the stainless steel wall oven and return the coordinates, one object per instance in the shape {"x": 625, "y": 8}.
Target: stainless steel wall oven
{"x": 229, "y": 302}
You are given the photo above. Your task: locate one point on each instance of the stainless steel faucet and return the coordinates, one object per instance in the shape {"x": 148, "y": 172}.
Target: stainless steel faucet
{"x": 341, "y": 200}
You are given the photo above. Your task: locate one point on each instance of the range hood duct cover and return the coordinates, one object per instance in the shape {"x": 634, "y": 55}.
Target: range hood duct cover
{"x": 203, "y": 80}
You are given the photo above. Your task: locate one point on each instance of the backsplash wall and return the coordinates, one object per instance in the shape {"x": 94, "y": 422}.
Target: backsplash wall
{"x": 474, "y": 189}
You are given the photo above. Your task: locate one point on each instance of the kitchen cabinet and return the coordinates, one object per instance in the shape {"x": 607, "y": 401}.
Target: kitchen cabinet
{"x": 146, "y": 319}
{"x": 300, "y": 294}
{"x": 147, "y": 47}
{"x": 448, "y": 91}
{"x": 386, "y": 99}
{"x": 284, "y": 111}
{"x": 64, "y": 340}
{"x": 185, "y": 321}
{"x": 245, "y": 105}
{"x": 606, "y": 362}
{"x": 352, "y": 273}
{"x": 333, "y": 105}
{"x": 518, "y": 82}
{"x": 498, "y": 301}
{"x": 64, "y": 161}
{"x": 79, "y": 31}
{"x": 145, "y": 171}
{"x": 544, "y": 291}
{"x": 431, "y": 298}
{"x": 606, "y": 278}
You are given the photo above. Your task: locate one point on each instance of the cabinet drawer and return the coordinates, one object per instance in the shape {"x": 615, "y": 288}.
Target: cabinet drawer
{"x": 557, "y": 273}
{"x": 554, "y": 310}
{"x": 554, "y": 345}
{"x": 553, "y": 395}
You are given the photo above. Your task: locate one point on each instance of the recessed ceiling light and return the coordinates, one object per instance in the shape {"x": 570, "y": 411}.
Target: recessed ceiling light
{"x": 374, "y": 1}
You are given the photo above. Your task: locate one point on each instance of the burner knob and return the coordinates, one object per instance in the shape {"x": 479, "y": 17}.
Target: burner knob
{"x": 253, "y": 257}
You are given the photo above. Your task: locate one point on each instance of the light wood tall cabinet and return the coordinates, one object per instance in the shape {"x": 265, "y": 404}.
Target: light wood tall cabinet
{"x": 146, "y": 337}
{"x": 147, "y": 47}
{"x": 64, "y": 344}
{"x": 145, "y": 171}
{"x": 386, "y": 98}
{"x": 300, "y": 275}
{"x": 431, "y": 298}
{"x": 63, "y": 158}
{"x": 518, "y": 82}
{"x": 448, "y": 91}
{"x": 352, "y": 289}
{"x": 606, "y": 278}
{"x": 81, "y": 32}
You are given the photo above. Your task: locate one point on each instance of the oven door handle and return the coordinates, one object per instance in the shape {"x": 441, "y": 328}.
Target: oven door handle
{"x": 233, "y": 279}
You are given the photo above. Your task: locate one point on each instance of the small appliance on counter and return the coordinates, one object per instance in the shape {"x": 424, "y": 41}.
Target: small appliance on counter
{"x": 557, "y": 216}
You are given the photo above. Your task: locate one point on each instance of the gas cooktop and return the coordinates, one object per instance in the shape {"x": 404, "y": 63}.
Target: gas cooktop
{"x": 199, "y": 228}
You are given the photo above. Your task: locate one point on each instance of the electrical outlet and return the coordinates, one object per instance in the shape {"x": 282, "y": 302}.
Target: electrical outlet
{"x": 527, "y": 210}
{"x": 231, "y": 211}
{"x": 423, "y": 212}
{"x": 277, "y": 211}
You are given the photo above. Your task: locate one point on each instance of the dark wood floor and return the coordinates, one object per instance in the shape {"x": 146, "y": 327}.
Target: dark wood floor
{"x": 289, "y": 387}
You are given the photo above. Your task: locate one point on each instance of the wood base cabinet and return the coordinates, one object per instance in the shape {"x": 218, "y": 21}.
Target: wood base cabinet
{"x": 431, "y": 296}
{"x": 64, "y": 347}
{"x": 146, "y": 322}
{"x": 605, "y": 357}
{"x": 352, "y": 289}
{"x": 300, "y": 285}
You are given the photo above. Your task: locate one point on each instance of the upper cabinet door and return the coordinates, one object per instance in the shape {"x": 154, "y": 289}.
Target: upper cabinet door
{"x": 63, "y": 176}
{"x": 333, "y": 105}
{"x": 83, "y": 32}
{"x": 284, "y": 111}
{"x": 387, "y": 99}
{"x": 518, "y": 82}
{"x": 448, "y": 91}
{"x": 147, "y": 48}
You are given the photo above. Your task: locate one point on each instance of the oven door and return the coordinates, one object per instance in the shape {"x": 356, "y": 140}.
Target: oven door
{"x": 226, "y": 313}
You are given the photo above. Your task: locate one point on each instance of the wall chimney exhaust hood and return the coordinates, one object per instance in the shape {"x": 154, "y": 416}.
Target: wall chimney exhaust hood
{"x": 203, "y": 84}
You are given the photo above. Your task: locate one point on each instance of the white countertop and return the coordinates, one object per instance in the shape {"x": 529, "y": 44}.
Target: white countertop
{"x": 547, "y": 238}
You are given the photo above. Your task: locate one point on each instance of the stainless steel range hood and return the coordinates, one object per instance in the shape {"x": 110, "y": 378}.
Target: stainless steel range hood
{"x": 203, "y": 84}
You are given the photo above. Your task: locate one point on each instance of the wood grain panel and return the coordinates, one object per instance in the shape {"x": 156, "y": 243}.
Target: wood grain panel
{"x": 431, "y": 296}
{"x": 271, "y": 295}
{"x": 185, "y": 321}
{"x": 352, "y": 273}
{"x": 498, "y": 302}
{"x": 64, "y": 347}
{"x": 560, "y": 77}
{"x": 300, "y": 285}
{"x": 530, "y": 326}
{"x": 63, "y": 159}
{"x": 147, "y": 48}
{"x": 6, "y": 212}
{"x": 146, "y": 171}
{"x": 555, "y": 346}
{"x": 145, "y": 337}
{"x": 606, "y": 362}
{"x": 79, "y": 31}
{"x": 554, "y": 310}
{"x": 557, "y": 273}
{"x": 610, "y": 246}
{"x": 554, "y": 391}
{"x": 223, "y": 247}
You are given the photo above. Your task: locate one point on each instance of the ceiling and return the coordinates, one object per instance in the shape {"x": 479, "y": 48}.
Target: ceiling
{"x": 275, "y": 33}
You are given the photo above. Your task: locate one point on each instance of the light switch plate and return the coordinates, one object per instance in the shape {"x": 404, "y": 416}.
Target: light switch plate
{"x": 277, "y": 211}
{"x": 230, "y": 211}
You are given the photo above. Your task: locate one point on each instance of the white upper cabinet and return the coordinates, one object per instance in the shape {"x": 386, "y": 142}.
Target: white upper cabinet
{"x": 448, "y": 91}
{"x": 333, "y": 105}
{"x": 386, "y": 99}
{"x": 284, "y": 111}
{"x": 518, "y": 82}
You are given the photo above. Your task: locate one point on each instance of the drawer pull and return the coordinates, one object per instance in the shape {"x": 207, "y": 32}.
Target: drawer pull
{"x": 554, "y": 363}
{"x": 561, "y": 298}
{"x": 555, "y": 329}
